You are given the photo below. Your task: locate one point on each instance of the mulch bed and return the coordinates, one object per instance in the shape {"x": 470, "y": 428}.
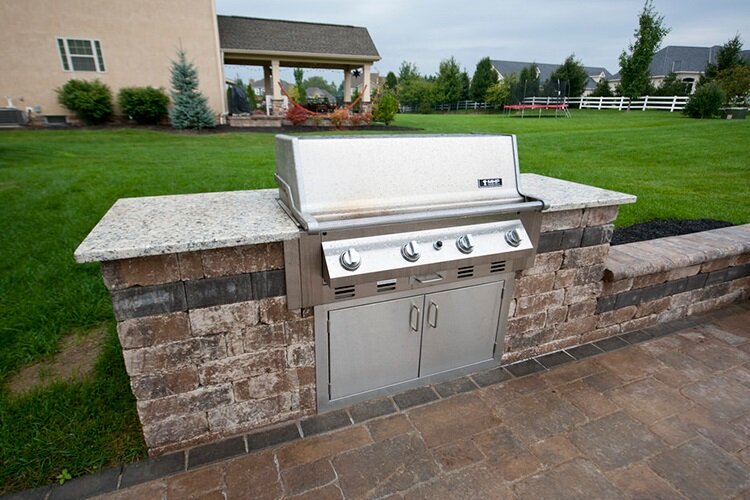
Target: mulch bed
{"x": 661, "y": 228}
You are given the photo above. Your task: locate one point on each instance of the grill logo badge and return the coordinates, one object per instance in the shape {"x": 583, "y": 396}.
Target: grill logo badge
{"x": 490, "y": 183}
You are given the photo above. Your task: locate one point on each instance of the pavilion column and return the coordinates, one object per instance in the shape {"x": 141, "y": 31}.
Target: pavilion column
{"x": 366, "y": 84}
{"x": 277, "y": 102}
{"x": 347, "y": 85}
{"x": 267, "y": 85}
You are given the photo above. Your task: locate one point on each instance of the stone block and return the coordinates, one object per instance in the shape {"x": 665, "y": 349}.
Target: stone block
{"x": 151, "y": 330}
{"x": 531, "y": 285}
{"x": 697, "y": 281}
{"x": 585, "y": 256}
{"x": 217, "y": 291}
{"x": 532, "y": 338}
{"x": 604, "y": 304}
{"x": 653, "y": 307}
{"x": 582, "y": 309}
{"x": 201, "y": 399}
{"x": 715, "y": 265}
{"x": 262, "y": 337}
{"x": 599, "y": 215}
{"x": 169, "y": 357}
{"x": 306, "y": 375}
{"x": 545, "y": 263}
{"x": 250, "y": 414}
{"x": 672, "y": 314}
{"x": 550, "y": 242}
{"x": 159, "y": 385}
{"x": 532, "y": 304}
{"x": 599, "y": 334}
{"x": 597, "y": 235}
{"x": 711, "y": 304}
{"x": 299, "y": 331}
{"x": 512, "y": 308}
{"x": 142, "y": 271}
{"x": 556, "y": 315}
{"x": 175, "y": 429}
{"x": 242, "y": 367}
{"x": 275, "y": 310}
{"x": 580, "y": 293}
{"x": 269, "y": 284}
{"x": 137, "y": 302}
{"x": 575, "y": 327}
{"x": 616, "y": 317}
{"x": 191, "y": 266}
{"x": 224, "y": 318}
{"x": 245, "y": 259}
{"x": 740, "y": 284}
{"x": 714, "y": 291}
{"x": 300, "y": 355}
{"x": 566, "y": 219}
{"x": 639, "y": 323}
{"x": 650, "y": 279}
{"x": 266, "y": 385}
{"x": 565, "y": 278}
{"x": 590, "y": 274}
{"x": 684, "y": 298}
{"x": 523, "y": 324}
{"x": 683, "y": 272}
{"x": 615, "y": 287}
{"x": 571, "y": 238}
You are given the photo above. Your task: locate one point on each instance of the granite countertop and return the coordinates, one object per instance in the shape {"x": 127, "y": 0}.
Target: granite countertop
{"x": 559, "y": 195}
{"x": 156, "y": 225}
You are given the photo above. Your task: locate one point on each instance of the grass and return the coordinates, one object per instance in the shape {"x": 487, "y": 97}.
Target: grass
{"x": 56, "y": 185}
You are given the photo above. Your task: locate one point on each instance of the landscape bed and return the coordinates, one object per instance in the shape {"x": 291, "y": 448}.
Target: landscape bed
{"x": 55, "y": 186}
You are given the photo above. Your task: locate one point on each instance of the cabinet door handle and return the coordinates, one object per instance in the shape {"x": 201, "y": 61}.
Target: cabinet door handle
{"x": 432, "y": 323}
{"x": 414, "y": 318}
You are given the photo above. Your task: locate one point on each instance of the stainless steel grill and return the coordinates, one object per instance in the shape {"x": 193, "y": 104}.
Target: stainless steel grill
{"x": 408, "y": 252}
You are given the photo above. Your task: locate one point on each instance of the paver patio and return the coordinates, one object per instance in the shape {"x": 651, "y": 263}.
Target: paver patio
{"x": 667, "y": 416}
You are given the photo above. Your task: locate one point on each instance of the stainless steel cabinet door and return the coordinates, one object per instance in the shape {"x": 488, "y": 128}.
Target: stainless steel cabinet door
{"x": 460, "y": 327}
{"x": 374, "y": 345}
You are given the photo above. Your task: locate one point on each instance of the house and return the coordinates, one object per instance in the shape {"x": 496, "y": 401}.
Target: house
{"x": 688, "y": 63}
{"x": 544, "y": 70}
{"x": 45, "y": 43}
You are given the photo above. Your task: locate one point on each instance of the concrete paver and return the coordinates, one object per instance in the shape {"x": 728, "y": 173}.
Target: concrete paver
{"x": 667, "y": 418}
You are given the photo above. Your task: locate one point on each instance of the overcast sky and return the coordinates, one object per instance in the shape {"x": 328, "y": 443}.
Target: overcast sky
{"x": 547, "y": 31}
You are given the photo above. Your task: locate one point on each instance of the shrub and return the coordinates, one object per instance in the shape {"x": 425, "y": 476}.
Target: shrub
{"x": 91, "y": 101}
{"x": 145, "y": 105}
{"x": 339, "y": 117}
{"x": 705, "y": 102}
{"x": 385, "y": 109}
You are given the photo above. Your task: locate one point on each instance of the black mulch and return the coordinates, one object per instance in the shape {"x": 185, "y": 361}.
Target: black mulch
{"x": 661, "y": 228}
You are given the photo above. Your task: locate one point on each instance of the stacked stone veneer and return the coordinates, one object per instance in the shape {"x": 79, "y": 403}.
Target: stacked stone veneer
{"x": 554, "y": 304}
{"x": 209, "y": 344}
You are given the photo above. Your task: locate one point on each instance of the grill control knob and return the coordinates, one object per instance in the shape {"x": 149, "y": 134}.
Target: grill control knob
{"x": 350, "y": 260}
{"x": 410, "y": 251}
{"x": 513, "y": 237}
{"x": 465, "y": 243}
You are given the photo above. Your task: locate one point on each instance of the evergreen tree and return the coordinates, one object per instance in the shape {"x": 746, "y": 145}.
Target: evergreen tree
{"x": 526, "y": 85}
{"x": 672, "y": 86}
{"x": 602, "y": 89}
{"x": 299, "y": 83}
{"x": 484, "y": 77}
{"x": 252, "y": 99}
{"x": 570, "y": 76}
{"x": 448, "y": 84}
{"x": 635, "y": 79}
{"x": 190, "y": 108}
{"x": 391, "y": 81}
{"x": 465, "y": 86}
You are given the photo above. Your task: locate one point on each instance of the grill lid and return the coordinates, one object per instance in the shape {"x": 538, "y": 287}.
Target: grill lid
{"x": 327, "y": 182}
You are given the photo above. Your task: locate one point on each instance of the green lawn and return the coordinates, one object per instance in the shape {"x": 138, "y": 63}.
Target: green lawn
{"x": 56, "y": 185}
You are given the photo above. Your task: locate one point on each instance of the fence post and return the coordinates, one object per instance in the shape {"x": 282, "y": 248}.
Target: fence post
{"x": 674, "y": 102}
{"x": 645, "y": 103}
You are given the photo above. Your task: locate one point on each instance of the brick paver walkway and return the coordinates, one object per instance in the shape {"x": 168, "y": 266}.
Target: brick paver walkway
{"x": 668, "y": 417}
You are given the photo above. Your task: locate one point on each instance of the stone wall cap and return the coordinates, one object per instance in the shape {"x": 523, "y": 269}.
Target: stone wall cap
{"x": 156, "y": 225}
{"x": 559, "y": 195}
{"x": 675, "y": 252}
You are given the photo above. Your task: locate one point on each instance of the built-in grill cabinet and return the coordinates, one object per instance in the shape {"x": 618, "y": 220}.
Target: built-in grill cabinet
{"x": 408, "y": 253}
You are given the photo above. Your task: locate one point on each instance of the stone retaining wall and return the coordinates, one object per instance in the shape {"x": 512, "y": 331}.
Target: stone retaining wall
{"x": 209, "y": 344}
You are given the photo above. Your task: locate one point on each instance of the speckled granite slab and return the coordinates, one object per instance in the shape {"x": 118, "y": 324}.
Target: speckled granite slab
{"x": 558, "y": 194}
{"x": 155, "y": 225}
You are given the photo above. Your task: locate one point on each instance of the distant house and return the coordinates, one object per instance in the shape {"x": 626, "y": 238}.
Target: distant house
{"x": 506, "y": 68}
{"x": 688, "y": 63}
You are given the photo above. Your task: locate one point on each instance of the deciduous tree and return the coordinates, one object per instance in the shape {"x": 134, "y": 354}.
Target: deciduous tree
{"x": 635, "y": 79}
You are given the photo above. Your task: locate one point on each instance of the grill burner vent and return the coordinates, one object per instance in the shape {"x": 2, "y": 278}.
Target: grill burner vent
{"x": 344, "y": 292}
{"x": 386, "y": 285}
{"x": 497, "y": 267}
{"x": 465, "y": 272}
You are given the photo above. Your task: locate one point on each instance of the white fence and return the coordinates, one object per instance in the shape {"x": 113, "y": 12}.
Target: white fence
{"x": 667, "y": 103}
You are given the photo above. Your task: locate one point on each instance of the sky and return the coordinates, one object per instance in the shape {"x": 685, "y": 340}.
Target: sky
{"x": 545, "y": 31}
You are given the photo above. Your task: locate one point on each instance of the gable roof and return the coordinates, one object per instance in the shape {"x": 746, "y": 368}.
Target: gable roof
{"x": 676, "y": 58}
{"x": 506, "y": 68}
{"x": 272, "y": 35}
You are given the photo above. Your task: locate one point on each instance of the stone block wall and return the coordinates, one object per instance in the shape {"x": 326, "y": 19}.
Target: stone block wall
{"x": 554, "y": 304}
{"x": 209, "y": 343}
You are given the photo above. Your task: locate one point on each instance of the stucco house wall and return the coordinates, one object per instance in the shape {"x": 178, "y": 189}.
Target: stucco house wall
{"x": 138, "y": 40}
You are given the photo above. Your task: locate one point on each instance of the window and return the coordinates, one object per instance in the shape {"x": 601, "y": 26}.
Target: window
{"x": 80, "y": 55}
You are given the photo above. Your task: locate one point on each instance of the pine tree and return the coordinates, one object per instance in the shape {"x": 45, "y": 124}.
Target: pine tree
{"x": 190, "y": 108}
{"x": 484, "y": 77}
